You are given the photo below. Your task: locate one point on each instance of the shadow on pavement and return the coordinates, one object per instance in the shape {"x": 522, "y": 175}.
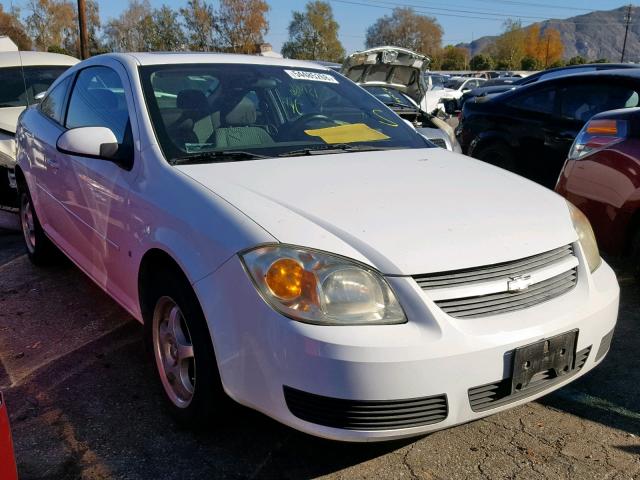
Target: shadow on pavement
{"x": 610, "y": 394}
{"x": 98, "y": 413}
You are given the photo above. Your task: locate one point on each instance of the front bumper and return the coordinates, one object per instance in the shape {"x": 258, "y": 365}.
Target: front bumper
{"x": 260, "y": 353}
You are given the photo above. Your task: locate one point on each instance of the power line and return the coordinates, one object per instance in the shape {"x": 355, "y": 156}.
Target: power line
{"x": 389, "y": 5}
{"x": 542, "y": 5}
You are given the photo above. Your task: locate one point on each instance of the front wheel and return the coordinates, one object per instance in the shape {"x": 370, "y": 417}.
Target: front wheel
{"x": 40, "y": 249}
{"x": 183, "y": 355}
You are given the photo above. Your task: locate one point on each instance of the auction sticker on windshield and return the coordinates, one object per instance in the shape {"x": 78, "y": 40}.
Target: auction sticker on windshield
{"x": 313, "y": 76}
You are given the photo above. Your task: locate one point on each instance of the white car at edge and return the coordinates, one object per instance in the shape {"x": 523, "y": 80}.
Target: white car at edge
{"x": 25, "y": 77}
{"x": 287, "y": 239}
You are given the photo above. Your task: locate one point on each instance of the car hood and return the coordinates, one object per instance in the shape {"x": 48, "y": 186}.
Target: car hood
{"x": 9, "y": 118}
{"x": 403, "y": 212}
{"x": 393, "y": 67}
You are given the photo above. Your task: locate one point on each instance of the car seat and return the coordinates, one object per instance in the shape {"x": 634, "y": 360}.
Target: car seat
{"x": 240, "y": 129}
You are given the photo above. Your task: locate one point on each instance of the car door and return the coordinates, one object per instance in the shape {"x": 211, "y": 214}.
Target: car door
{"x": 96, "y": 191}
{"x": 532, "y": 115}
{"x": 41, "y": 133}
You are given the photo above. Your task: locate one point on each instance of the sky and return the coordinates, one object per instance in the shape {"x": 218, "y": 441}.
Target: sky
{"x": 461, "y": 20}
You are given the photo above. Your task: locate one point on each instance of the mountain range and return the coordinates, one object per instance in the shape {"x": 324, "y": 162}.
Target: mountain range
{"x": 599, "y": 34}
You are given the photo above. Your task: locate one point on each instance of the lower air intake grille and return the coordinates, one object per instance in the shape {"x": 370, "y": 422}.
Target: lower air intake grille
{"x": 605, "y": 345}
{"x": 366, "y": 414}
{"x": 496, "y": 394}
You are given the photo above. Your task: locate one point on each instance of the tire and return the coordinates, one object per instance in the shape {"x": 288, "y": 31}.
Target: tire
{"x": 497, "y": 154}
{"x": 40, "y": 250}
{"x": 181, "y": 350}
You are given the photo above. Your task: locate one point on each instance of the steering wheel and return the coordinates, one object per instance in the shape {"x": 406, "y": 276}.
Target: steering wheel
{"x": 308, "y": 118}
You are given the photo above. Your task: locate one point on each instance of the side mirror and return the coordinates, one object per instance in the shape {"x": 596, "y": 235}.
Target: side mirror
{"x": 466, "y": 89}
{"x": 40, "y": 96}
{"x": 92, "y": 142}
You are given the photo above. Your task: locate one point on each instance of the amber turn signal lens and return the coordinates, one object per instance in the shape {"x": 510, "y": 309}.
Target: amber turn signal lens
{"x": 284, "y": 278}
{"x": 603, "y": 127}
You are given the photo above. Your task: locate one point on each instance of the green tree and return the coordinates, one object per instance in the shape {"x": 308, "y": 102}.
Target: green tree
{"x": 577, "y": 60}
{"x": 166, "y": 31}
{"x": 50, "y": 22}
{"x": 481, "y": 62}
{"x": 12, "y": 27}
{"x": 405, "y": 28}
{"x": 454, "y": 58}
{"x": 509, "y": 48}
{"x": 131, "y": 31}
{"x": 242, "y": 25}
{"x": 313, "y": 34}
{"x": 200, "y": 25}
{"x": 529, "y": 63}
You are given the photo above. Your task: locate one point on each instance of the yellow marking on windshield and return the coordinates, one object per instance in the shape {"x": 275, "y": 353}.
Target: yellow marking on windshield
{"x": 385, "y": 121}
{"x": 356, "y": 132}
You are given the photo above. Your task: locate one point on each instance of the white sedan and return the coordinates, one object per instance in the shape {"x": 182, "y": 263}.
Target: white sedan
{"x": 453, "y": 89}
{"x": 290, "y": 243}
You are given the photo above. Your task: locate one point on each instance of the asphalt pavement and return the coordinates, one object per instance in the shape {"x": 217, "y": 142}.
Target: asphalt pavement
{"x": 84, "y": 405}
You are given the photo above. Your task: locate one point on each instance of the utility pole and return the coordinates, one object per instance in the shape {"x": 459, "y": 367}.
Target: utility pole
{"x": 82, "y": 21}
{"x": 627, "y": 20}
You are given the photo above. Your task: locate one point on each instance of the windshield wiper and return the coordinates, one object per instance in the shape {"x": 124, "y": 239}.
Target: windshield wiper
{"x": 216, "y": 156}
{"x": 329, "y": 149}
{"x": 400, "y": 105}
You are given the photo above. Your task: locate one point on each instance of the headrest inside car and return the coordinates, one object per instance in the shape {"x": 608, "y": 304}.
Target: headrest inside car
{"x": 191, "y": 100}
{"x": 244, "y": 113}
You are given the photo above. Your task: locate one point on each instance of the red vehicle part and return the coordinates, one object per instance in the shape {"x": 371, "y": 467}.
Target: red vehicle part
{"x": 602, "y": 178}
{"x": 7, "y": 459}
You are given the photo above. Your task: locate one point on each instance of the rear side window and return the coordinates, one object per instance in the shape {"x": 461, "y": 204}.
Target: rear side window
{"x": 581, "y": 102}
{"x": 98, "y": 100}
{"x": 12, "y": 93}
{"x": 52, "y": 105}
{"x": 541, "y": 101}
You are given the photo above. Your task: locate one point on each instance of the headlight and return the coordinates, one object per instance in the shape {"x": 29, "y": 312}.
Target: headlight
{"x": 320, "y": 288}
{"x": 586, "y": 237}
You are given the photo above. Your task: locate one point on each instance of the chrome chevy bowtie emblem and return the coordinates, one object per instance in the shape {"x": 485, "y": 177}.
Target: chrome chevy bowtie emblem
{"x": 519, "y": 283}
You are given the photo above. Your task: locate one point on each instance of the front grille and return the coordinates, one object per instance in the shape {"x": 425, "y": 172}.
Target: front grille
{"x": 439, "y": 142}
{"x": 454, "y": 292}
{"x": 366, "y": 414}
{"x": 493, "y": 395}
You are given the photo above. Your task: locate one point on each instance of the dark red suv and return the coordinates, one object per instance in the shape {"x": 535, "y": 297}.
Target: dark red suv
{"x": 602, "y": 178}
{"x": 7, "y": 460}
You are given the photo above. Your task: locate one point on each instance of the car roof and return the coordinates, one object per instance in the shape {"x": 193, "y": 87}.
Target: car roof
{"x": 28, "y": 59}
{"x": 177, "y": 58}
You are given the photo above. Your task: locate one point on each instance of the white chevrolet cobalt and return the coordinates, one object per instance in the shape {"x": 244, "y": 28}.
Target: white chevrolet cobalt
{"x": 289, "y": 242}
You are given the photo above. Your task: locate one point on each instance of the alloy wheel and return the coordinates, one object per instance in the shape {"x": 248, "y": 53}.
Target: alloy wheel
{"x": 173, "y": 352}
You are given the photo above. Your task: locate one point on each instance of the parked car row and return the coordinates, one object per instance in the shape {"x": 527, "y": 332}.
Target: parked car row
{"x": 289, "y": 242}
{"x": 574, "y": 130}
{"x": 26, "y": 76}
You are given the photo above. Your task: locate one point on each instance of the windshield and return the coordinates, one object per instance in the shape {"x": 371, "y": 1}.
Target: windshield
{"x": 455, "y": 84}
{"x": 264, "y": 111}
{"x": 390, "y": 97}
{"x": 19, "y": 91}
{"x": 437, "y": 81}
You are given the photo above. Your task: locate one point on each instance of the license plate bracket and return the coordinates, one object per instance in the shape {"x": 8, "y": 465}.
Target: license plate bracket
{"x": 555, "y": 353}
